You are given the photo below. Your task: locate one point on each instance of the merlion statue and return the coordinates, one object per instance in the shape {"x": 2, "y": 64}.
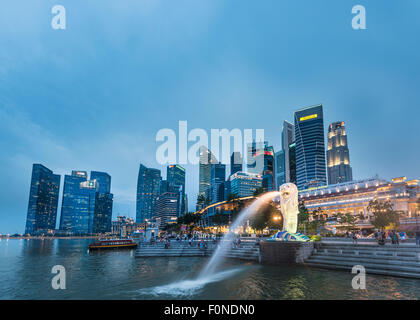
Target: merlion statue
{"x": 289, "y": 206}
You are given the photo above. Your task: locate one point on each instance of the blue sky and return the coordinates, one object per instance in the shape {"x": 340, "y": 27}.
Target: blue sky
{"x": 93, "y": 96}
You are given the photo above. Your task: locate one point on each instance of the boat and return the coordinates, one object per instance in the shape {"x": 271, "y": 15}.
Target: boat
{"x": 113, "y": 244}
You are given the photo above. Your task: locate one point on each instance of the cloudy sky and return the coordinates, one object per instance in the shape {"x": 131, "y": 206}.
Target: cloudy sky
{"x": 93, "y": 96}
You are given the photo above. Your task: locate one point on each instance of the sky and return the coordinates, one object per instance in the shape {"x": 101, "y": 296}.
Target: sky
{"x": 94, "y": 96}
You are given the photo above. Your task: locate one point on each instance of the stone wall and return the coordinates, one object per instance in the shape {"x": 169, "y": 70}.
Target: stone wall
{"x": 285, "y": 252}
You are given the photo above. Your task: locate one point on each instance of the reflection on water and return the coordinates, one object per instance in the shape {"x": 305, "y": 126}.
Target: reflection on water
{"x": 25, "y": 273}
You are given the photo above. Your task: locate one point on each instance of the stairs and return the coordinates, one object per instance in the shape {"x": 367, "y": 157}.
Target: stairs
{"x": 401, "y": 261}
{"x": 175, "y": 250}
{"x": 249, "y": 252}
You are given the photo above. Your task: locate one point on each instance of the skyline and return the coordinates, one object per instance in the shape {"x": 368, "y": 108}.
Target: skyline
{"x": 79, "y": 111}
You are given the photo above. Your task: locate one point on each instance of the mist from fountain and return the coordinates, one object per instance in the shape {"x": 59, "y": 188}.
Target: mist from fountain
{"x": 224, "y": 246}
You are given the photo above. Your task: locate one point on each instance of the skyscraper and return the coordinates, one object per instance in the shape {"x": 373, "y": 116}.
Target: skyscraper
{"x": 167, "y": 206}
{"x": 310, "y": 148}
{"x": 235, "y": 162}
{"x": 175, "y": 175}
{"x": 70, "y": 191}
{"x": 148, "y": 187}
{"x": 86, "y": 204}
{"x": 280, "y": 169}
{"x": 43, "y": 200}
{"x": 206, "y": 159}
{"x": 292, "y": 162}
{"x": 261, "y": 161}
{"x": 338, "y": 159}
{"x": 104, "y": 180}
{"x": 288, "y": 137}
{"x": 217, "y": 188}
{"x": 245, "y": 184}
{"x": 84, "y": 207}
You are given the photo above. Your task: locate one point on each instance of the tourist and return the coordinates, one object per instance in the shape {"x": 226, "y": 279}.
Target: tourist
{"x": 354, "y": 237}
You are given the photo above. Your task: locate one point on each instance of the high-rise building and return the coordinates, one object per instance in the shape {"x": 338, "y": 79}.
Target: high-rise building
{"x": 245, "y": 184}
{"x": 206, "y": 159}
{"x": 167, "y": 206}
{"x": 261, "y": 161}
{"x": 292, "y": 163}
{"x": 288, "y": 137}
{"x": 43, "y": 200}
{"x": 70, "y": 191}
{"x": 310, "y": 148}
{"x": 86, "y": 204}
{"x": 338, "y": 159}
{"x": 217, "y": 188}
{"x": 164, "y": 186}
{"x": 175, "y": 175}
{"x": 235, "y": 162}
{"x": 280, "y": 169}
{"x": 103, "y": 179}
{"x": 148, "y": 187}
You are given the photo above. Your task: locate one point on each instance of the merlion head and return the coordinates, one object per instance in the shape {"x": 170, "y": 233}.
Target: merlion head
{"x": 289, "y": 193}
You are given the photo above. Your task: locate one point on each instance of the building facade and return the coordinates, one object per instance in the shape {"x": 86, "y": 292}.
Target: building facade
{"x": 206, "y": 159}
{"x": 261, "y": 161}
{"x": 280, "y": 169}
{"x": 175, "y": 176}
{"x": 217, "y": 187}
{"x": 244, "y": 184}
{"x": 310, "y": 148}
{"x": 287, "y": 137}
{"x": 103, "y": 179}
{"x": 235, "y": 162}
{"x": 148, "y": 188}
{"x": 166, "y": 211}
{"x": 338, "y": 158}
{"x": 43, "y": 200}
{"x": 354, "y": 197}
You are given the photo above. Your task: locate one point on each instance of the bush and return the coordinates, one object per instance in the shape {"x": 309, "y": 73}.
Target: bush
{"x": 316, "y": 238}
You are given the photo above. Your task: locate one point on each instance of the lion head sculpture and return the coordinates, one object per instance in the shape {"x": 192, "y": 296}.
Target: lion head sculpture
{"x": 289, "y": 206}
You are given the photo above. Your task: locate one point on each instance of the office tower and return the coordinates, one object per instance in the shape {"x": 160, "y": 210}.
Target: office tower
{"x": 288, "y": 137}
{"x": 217, "y": 188}
{"x": 235, "y": 162}
{"x": 86, "y": 204}
{"x": 43, "y": 200}
{"x": 206, "y": 159}
{"x": 148, "y": 187}
{"x": 338, "y": 159}
{"x": 70, "y": 191}
{"x": 175, "y": 175}
{"x": 164, "y": 186}
{"x": 103, "y": 212}
{"x": 104, "y": 180}
{"x": 84, "y": 207}
{"x": 245, "y": 184}
{"x": 292, "y": 163}
{"x": 261, "y": 161}
{"x": 167, "y": 206}
{"x": 280, "y": 168}
{"x": 310, "y": 148}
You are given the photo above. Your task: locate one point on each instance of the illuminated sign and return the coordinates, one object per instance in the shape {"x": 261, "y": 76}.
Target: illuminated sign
{"x": 312, "y": 116}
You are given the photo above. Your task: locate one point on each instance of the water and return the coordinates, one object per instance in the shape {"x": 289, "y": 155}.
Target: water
{"x": 25, "y": 273}
{"x": 226, "y": 242}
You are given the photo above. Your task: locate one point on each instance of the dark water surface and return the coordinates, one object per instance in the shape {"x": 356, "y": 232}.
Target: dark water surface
{"x": 25, "y": 273}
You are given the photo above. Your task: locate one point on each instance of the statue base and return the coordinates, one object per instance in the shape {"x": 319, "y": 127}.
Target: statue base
{"x": 285, "y": 252}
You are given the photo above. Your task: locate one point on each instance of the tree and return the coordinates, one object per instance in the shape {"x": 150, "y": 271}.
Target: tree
{"x": 265, "y": 218}
{"x": 303, "y": 217}
{"x": 384, "y": 214}
{"x": 231, "y": 197}
{"x": 349, "y": 220}
{"x": 258, "y": 191}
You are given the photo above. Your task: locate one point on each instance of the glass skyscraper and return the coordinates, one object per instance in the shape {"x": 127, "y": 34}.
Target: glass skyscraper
{"x": 218, "y": 175}
{"x": 261, "y": 161}
{"x": 206, "y": 159}
{"x": 43, "y": 200}
{"x": 310, "y": 148}
{"x": 148, "y": 188}
{"x": 86, "y": 204}
{"x": 104, "y": 180}
{"x": 280, "y": 169}
{"x": 175, "y": 175}
{"x": 338, "y": 158}
{"x": 235, "y": 162}
{"x": 70, "y": 191}
{"x": 245, "y": 184}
